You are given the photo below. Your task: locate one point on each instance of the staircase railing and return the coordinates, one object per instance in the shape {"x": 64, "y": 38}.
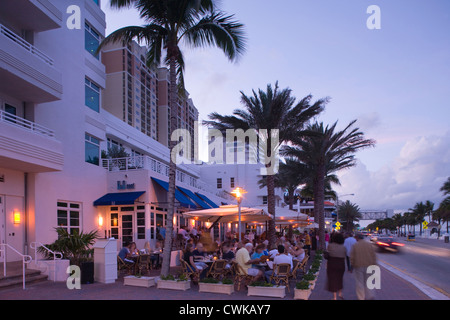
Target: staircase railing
{"x": 25, "y": 260}
{"x": 36, "y": 245}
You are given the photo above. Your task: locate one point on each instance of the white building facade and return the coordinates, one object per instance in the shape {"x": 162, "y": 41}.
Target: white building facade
{"x": 53, "y": 129}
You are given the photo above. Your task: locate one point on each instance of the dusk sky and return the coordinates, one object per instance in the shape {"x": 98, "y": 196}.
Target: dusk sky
{"x": 394, "y": 80}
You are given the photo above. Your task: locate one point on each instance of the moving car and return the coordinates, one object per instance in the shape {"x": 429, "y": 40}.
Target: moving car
{"x": 388, "y": 243}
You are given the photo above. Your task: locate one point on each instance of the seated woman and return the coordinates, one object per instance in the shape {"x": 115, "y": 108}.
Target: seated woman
{"x": 297, "y": 252}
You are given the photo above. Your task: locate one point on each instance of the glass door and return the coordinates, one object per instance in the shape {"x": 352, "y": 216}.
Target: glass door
{"x": 127, "y": 228}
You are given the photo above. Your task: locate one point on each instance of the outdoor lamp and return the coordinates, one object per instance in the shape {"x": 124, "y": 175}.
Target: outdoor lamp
{"x": 238, "y": 192}
{"x": 100, "y": 221}
{"x": 16, "y": 217}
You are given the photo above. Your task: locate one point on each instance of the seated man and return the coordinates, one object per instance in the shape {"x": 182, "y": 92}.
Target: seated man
{"x": 244, "y": 261}
{"x": 125, "y": 254}
{"x": 282, "y": 257}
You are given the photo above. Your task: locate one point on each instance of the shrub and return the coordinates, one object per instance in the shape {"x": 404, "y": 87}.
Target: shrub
{"x": 302, "y": 285}
{"x": 168, "y": 277}
{"x": 209, "y": 280}
{"x": 260, "y": 284}
{"x": 309, "y": 277}
{"x": 227, "y": 281}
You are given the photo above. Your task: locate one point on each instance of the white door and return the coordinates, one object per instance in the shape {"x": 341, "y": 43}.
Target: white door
{"x": 2, "y": 221}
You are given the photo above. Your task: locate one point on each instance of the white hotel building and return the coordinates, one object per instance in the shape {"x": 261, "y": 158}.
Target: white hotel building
{"x": 54, "y": 125}
{"x": 52, "y": 131}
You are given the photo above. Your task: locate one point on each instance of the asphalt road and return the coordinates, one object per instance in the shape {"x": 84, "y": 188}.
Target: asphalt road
{"x": 426, "y": 260}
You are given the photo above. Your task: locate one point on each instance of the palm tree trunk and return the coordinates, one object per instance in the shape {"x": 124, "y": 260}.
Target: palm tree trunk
{"x": 291, "y": 199}
{"x": 319, "y": 198}
{"x": 173, "y": 96}
{"x": 271, "y": 208}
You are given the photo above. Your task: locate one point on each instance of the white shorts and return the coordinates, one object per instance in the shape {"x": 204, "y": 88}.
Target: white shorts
{"x": 253, "y": 272}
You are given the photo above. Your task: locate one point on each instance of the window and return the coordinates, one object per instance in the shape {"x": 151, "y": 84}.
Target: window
{"x": 68, "y": 216}
{"x": 232, "y": 182}
{"x": 219, "y": 183}
{"x": 92, "y": 95}
{"x": 92, "y": 149}
{"x": 96, "y": 2}
{"x": 91, "y": 40}
{"x": 264, "y": 199}
{"x": 140, "y": 222}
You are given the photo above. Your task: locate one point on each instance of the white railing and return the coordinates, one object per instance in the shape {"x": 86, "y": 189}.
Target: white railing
{"x": 148, "y": 163}
{"x": 14, "y": 120}
{"x": 25, "y": 260}
{"x": 36, "y": 245}
{"x": 24, "y": 44}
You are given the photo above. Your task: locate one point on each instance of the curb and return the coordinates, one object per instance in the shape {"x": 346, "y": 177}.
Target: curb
{"x": 426, "y": 289}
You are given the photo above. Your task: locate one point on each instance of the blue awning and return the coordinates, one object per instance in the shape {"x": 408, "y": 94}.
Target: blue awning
{"x": 207, "y": 200}
{"x": 182, "y": 199}
{"x": 119, "y": 198}
{"x": 195, "y": 198}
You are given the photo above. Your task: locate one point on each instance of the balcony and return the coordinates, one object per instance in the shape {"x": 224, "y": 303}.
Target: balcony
{"x": 27, "y": 73}
{"x": 35, "y": 15}
{"x": 27, "y": 146}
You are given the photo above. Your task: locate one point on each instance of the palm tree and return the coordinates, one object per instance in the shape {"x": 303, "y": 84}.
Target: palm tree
{"x": 446, "y": 187}
{"x": 277, "y": 112}
{"x": 349, "y": 212}
{"x": 168, "y": 23}
{"x": 419, "y": 211}
{"x": 429, "y": 207}
{"x": 290, "y": 176}
{"x": 325, "y": 150}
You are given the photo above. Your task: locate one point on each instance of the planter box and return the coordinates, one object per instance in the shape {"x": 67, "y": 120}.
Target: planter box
{"x": 275, "y": 292}
{"x": 302, "y": 294}
{"x": 216, "y": 288}
{"x": 173, "y": 285}
{"x": 145, "y": 282}
{"x": 312, "y": 284}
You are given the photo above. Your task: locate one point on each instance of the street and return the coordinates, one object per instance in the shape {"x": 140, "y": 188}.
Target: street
{"x": 425, "y": 260}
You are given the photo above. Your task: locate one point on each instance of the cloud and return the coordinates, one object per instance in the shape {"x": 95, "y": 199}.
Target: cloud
{"x": 415, "y": 175}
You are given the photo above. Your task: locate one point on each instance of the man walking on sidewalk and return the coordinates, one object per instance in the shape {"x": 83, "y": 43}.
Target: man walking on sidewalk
{"x": 362, "y": 256}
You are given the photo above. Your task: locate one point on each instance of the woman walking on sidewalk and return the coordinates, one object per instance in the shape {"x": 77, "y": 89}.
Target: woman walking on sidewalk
{"x": 336, "y": 254}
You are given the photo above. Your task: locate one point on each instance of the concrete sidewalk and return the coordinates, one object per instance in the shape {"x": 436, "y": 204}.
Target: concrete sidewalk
{"x": 393, "y": 287}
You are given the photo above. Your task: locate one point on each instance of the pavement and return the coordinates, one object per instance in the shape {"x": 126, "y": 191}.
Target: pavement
{"x": 394, "y": 286}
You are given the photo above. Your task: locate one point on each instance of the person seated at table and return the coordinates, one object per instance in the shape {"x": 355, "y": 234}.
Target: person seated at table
{"x": 125, "y": 253}
{"x": 282, "y": 257}
{"x": 244, "y": 261}
{"x": 194, "y": 266}
{"x": 184, "y": 233}
{"x": 200, "y": 253}
{"x": 227, "y": 254}
{"x": 297, "y": 252}
{"x": 257, "y": 256}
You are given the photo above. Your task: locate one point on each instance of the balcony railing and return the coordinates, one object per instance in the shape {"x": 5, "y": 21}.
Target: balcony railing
{"x": 148, "y": 163}
{"x": 5, "y": 32}
{"x": 11, "y": 119}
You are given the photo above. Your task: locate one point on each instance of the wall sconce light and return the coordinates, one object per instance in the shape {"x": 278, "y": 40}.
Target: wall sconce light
{"x": 115, "y": 222}
{"x": 16, "y": 217}
{"x": 100, "y": 221}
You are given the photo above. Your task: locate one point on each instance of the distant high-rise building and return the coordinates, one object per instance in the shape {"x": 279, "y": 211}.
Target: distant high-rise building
{"x": 139, "y": 95}
{"x": 130, "y": 92}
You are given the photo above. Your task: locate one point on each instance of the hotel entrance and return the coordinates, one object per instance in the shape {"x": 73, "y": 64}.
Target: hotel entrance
{"x": 127, "y": 224}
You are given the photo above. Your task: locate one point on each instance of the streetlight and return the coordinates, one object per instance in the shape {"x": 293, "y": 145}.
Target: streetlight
{"x": 238, "y": 192}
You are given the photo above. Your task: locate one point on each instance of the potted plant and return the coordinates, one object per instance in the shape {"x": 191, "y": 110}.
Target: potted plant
{"x": 302, "y": 290}
{"x": 172, "y": 283}
{"x": 311, "y": 278}
{"x": 139, "y": 280}
{"x": 264, "y": 289}
{"x": 215, "y": 286}
{"x": 75, "y": 247}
